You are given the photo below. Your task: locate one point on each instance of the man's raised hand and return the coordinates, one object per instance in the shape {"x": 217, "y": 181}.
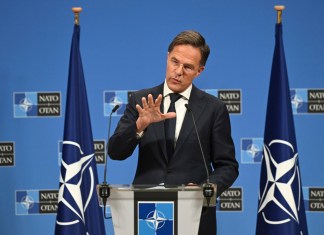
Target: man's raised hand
{"x": 151, "y": 112}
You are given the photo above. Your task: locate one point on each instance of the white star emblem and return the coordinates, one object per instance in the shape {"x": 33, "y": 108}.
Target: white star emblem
{"x": 27, "y": 202}
{"x": 253, "y": 150}
{"x": 72, "y": 170}
{"x": 25, "y": 105}
{"x": 296, "y": 101}
{"x": 155, "y": 219}
{"x": 273, "y": 183}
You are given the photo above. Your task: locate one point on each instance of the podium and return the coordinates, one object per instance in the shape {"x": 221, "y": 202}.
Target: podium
{"x": 143, "y": 210}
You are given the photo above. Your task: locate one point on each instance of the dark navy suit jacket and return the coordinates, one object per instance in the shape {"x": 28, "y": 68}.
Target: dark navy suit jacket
{"x": 186, "y": 165}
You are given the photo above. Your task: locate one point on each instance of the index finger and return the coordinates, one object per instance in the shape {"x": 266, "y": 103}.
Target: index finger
{"x": 158, "y": 100}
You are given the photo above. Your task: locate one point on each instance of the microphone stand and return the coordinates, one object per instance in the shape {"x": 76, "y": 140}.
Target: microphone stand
{"x": 208, "y": 188}
{"x": 104, "y": 190}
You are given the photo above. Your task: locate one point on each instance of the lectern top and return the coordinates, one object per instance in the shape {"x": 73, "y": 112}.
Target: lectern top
{"x": 155, "y": 188}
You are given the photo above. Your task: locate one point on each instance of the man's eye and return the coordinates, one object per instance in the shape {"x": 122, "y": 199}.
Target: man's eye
{"x": 175, "y": 62}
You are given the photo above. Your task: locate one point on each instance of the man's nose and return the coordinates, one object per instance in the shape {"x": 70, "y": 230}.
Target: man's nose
{"x": 179, "y": 70}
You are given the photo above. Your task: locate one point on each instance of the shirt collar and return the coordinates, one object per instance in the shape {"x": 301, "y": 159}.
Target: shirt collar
{"x": 185, "y": 93}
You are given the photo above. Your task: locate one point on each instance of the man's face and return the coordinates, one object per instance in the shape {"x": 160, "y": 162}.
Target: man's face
{"x": 183, "y": 66}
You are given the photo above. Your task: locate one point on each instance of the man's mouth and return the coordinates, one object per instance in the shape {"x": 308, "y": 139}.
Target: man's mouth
{"x": 176, "y": 80}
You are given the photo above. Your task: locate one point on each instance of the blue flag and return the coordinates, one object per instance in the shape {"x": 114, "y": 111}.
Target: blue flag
{"x": 281, "y": 203}
{"x": 78, "y": 207}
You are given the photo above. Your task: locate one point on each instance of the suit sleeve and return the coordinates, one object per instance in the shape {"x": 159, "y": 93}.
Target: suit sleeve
{"x": 123, "y": 142}
{"x": 223, "y": 152}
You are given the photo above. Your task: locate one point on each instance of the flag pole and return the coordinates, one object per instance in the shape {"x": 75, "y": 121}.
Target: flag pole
{"x": 76, "y": 11}
{"x": 279, "y": 10}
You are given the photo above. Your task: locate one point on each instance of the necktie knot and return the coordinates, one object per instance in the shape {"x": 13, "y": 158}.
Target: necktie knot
{"x": 174, "y": 97}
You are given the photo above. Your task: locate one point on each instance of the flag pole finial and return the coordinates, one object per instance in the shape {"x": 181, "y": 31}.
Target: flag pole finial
{"x": 279, "y": 10}
{"x": 76, "y": 11}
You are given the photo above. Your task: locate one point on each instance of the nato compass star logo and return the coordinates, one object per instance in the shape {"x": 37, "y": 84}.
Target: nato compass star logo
{"x": 296, "y": 101}
{"x": 299, "y": 99}
{"x": 70, "y": 186}
{"x": 282, "y": 180}
{"x": 253, "y": 150}
{"x": 27, "y": 202}
{"x": 25, "y": 105}
{"x": 155, "y": 220}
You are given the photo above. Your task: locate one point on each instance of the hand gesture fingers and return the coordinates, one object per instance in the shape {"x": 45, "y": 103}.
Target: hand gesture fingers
{"x": 150, "y": 112}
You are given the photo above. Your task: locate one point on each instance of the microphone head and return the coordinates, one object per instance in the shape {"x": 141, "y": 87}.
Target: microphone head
{"x": 115, "y": 108}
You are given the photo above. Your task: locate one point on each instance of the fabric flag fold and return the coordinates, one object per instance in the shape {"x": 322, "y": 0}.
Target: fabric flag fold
{"x": 78, "y": 207}
{"x": 281, "y": 203}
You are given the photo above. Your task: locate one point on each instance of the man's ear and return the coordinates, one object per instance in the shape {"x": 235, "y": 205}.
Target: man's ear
{"x": 201, "y": 68}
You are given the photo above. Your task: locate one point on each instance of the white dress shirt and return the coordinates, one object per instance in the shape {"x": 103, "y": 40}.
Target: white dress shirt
{"x": 179, "y": 106}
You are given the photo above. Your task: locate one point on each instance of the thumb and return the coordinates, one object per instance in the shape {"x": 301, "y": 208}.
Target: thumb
{"x": 169, "y": 115}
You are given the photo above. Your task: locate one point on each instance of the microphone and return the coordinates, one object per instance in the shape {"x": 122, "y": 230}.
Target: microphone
{"x": 114, "y": 109}
{"x": 208, "y": 188}
{"x": 104, "y": 190}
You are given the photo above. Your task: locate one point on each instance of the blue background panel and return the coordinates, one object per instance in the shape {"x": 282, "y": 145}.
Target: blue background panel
{"x": 124, "y": 48}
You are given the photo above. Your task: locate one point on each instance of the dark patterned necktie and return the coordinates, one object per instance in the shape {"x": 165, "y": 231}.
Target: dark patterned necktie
{"x": 170, "y": 125}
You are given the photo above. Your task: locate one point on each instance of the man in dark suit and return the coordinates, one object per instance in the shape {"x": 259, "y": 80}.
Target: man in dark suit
{"x": 146, "y": 117}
